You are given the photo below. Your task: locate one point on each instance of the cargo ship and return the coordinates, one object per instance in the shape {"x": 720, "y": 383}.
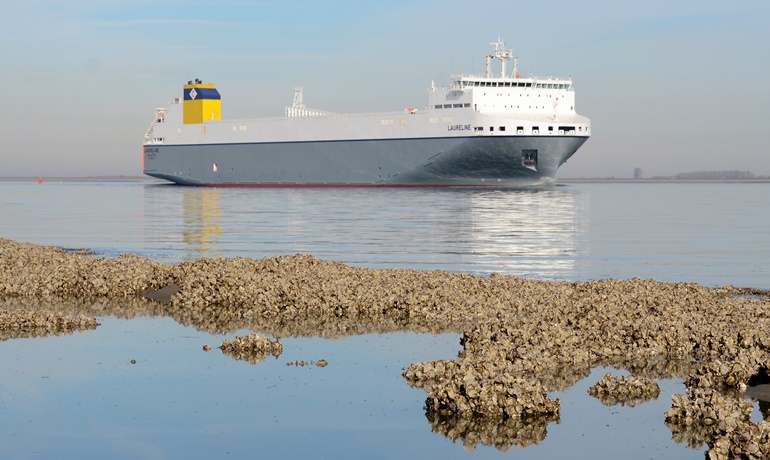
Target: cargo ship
{"x": 498, "y": 129}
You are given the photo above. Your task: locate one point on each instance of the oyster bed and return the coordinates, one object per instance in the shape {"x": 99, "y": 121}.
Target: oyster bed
{"x": 521, "y": 338}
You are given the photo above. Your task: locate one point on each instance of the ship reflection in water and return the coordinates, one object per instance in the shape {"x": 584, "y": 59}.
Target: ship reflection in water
{"x": 202, "y": 229}
{"x": 535, "y": 233}
{"x": 527, "y": 232}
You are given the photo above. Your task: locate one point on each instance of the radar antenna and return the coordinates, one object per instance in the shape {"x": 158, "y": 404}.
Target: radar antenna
{"x": 502, "y": 53}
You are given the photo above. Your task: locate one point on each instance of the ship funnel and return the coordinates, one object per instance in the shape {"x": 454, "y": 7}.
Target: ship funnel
{"x": 201, "y": 102}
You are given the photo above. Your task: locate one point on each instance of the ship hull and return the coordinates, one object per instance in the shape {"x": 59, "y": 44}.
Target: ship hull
{"x": 497, "y": 161}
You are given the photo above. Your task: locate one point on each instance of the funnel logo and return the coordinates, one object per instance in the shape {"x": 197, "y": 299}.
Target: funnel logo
{"x": 193, "y": 93}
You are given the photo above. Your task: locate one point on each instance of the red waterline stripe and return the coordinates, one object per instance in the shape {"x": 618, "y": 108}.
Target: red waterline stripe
{"x": 499, "y": 185}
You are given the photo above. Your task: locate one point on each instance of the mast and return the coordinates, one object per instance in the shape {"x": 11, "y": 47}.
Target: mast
{"x": 298, "y": 102}
{"x": 503, "y": 54}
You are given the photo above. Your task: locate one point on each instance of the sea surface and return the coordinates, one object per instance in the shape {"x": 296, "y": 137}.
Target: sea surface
{"x": 79, "y": 396}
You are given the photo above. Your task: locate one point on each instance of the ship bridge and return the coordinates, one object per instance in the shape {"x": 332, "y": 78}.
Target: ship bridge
{"x": 504, "y": 92}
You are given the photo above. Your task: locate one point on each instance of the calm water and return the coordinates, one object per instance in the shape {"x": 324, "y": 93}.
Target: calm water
{"x": 79, "y": 396}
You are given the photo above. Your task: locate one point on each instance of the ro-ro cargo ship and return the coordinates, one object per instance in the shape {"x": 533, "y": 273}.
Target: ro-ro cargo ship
{"x": 496, "y": 129}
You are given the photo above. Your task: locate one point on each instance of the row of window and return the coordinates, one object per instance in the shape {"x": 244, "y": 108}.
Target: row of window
{"x": 552, "y": 85}
{"x": 495, "y": 84}
{"x": 511, "y": 84}
{"x": 535, "y": 129}
{"x": 451, "y": 106}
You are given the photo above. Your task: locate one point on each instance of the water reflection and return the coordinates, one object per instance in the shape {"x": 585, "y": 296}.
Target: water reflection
{"x": 502, "y": 434}
{"x": 693, "y": 436}
{"x": 525, "y": 232}
{"x": 201, "y": 229}
{"x": 760, "y": 394}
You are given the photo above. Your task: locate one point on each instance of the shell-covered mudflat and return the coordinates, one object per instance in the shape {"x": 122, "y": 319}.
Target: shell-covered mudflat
{"x": 521, "y": 338}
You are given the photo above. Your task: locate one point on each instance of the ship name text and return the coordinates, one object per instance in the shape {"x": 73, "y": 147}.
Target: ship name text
{"x": 459, "y": 128}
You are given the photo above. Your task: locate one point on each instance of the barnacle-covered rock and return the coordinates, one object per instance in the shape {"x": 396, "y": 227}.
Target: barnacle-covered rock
{"x": 749, "y": 441}
{"x": 252, "y": 348}
{"x": 709, "y": 408}
{"x": 722, "y": 375}
{"x": 626, "y": 391}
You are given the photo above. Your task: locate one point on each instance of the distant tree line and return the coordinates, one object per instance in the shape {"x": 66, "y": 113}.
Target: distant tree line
{"x": 715, "y": 175}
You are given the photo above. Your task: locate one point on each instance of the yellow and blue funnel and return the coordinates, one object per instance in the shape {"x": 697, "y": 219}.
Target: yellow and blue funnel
{"x": 201, "y": 102}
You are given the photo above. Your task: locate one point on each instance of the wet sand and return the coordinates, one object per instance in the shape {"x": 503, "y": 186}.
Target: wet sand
{"x": 521, "y": 338}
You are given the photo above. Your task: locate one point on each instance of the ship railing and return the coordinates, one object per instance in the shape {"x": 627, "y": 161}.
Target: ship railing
{"x": 463, "y": 82}
{"x": 530, "y": 77}
{"x": 300, "y": 112}
{"x": 148, "y": 134}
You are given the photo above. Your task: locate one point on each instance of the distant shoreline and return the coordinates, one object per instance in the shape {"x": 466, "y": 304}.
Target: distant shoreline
{"x": 146, "y": 179}
{"x": 661, "y": 180}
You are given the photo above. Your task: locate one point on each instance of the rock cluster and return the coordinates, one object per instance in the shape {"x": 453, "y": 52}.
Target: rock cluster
{"x": 712, "y": 411}
{"x": 44, "y": 272}
{"x": 750, "y": 443}
{"x": 252, "y": 348}
{"x": 626, "y": 391}
{"x": 520, "y": 338}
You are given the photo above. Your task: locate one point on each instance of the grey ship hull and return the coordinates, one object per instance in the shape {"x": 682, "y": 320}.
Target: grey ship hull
{"x": 411, "y": 162}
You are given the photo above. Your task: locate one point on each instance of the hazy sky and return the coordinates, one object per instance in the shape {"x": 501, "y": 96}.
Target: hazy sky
{"x": 671, "y": 86}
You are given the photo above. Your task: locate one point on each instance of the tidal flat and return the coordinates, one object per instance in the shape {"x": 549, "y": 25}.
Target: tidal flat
{"x": 521, "y": 339}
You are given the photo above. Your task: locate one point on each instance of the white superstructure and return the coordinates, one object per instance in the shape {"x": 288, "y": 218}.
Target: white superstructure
{"x": 539, "y": 104}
